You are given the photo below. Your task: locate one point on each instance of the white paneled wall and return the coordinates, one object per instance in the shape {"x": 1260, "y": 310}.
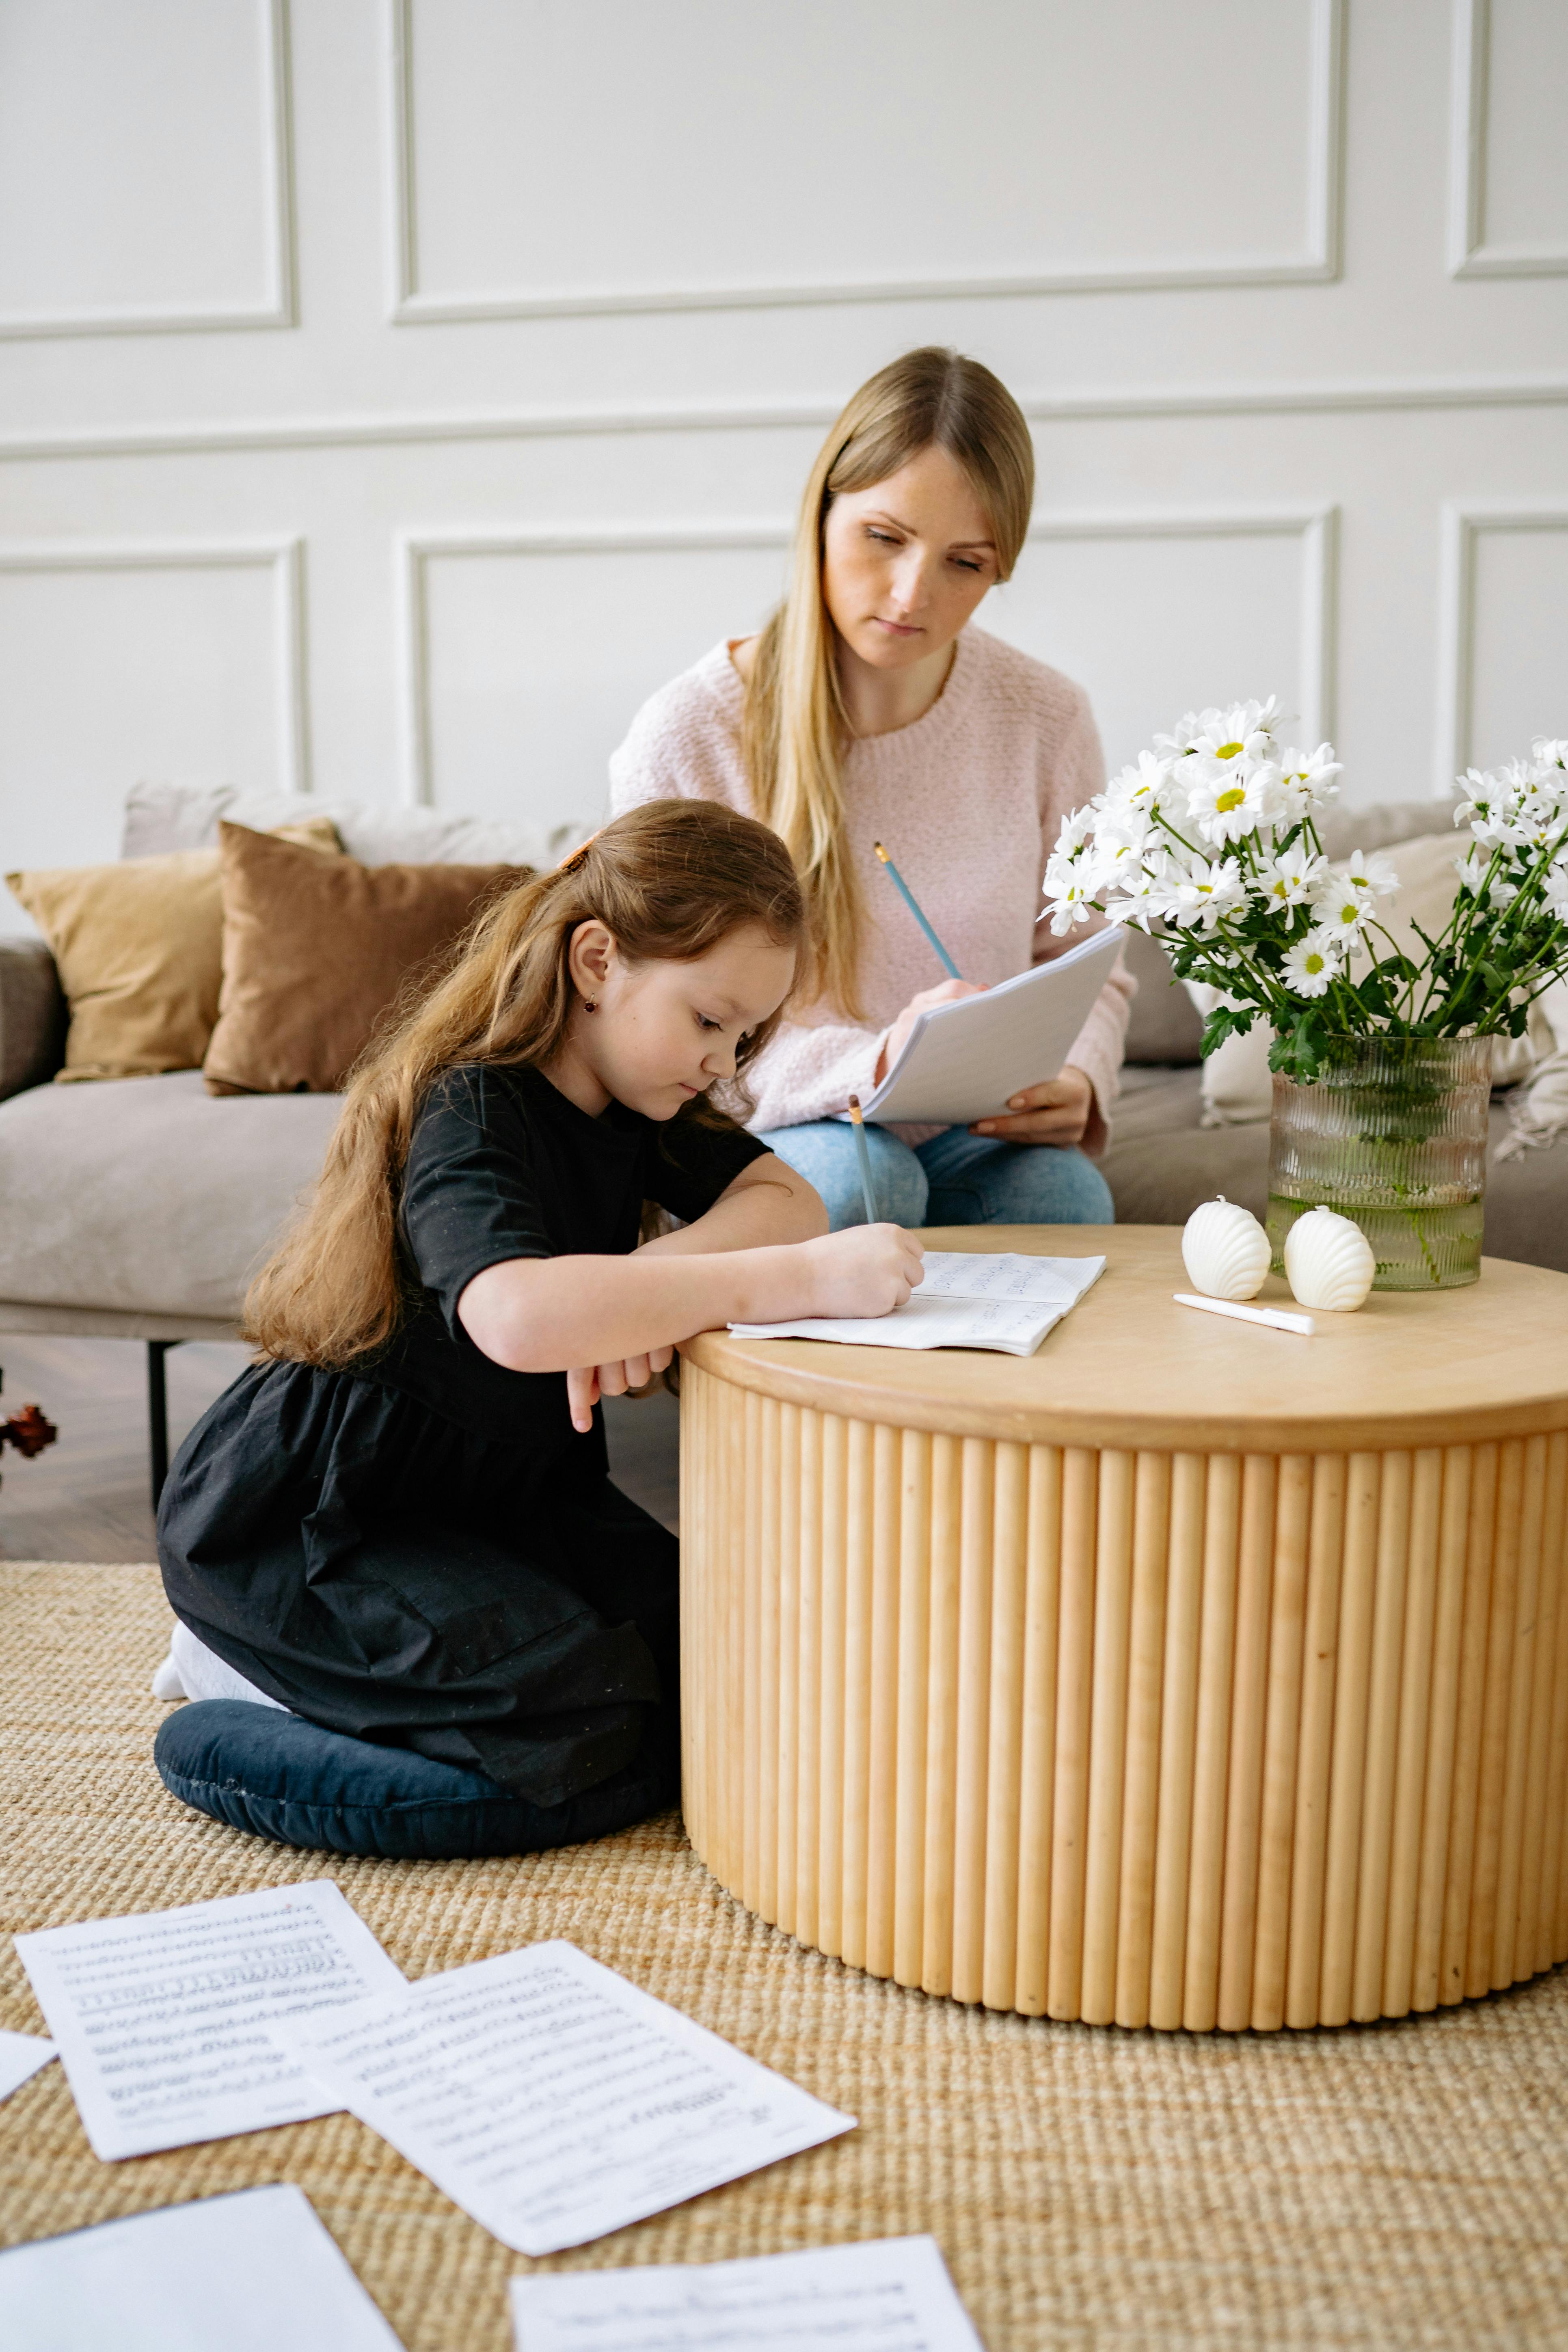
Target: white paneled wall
{"x": 393, "y": 393}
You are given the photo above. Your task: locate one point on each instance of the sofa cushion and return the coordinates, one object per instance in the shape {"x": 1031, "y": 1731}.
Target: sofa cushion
{"x": 160, "y": 817}
{"x": 145, "y": 1195}
{"x": 32, "y": 1015}
{"x": 138, "y": 947}
{"x": 316, "y": 949}
{"x": 1164, "y": 1026}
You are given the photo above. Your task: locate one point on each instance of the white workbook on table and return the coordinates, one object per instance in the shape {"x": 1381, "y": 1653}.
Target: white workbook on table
{"x": 962, "y": 1061}
{"x": 888, "y": 2295}
{"x": 1002, "y": 1300}
{"x": 164, "y": 2021}
{"x": 21, "y": 2055}
{"x": 255, "y": 2271}
{"x": 552, "y": 2100}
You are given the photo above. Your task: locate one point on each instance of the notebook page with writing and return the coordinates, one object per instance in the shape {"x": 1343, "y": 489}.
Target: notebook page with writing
{"x": 1001, "y": 1300}
{"x": 962, "y": 1060}
{"x": 555, "y": 2102}
{"x": 883, "y": 2295}
{"x": 164, "y": 2020}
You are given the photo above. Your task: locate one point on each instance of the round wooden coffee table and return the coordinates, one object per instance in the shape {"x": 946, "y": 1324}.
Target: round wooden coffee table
{"x": 1186, "y": 1674}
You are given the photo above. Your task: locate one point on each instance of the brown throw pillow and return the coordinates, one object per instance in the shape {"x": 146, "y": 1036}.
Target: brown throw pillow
{"x": 139, "y": 947}
{"x": 315, "y": 950}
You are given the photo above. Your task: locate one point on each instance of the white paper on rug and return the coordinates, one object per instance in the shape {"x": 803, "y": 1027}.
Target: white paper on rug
{"x": 885, "y": 2295}
{"x": 254, "y": 2271}
{"x": 164, "y": 2020}
{"x": 552, "y": 2100}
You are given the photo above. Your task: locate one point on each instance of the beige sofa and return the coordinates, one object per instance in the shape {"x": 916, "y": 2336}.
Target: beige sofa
{"x": 135, "y": 1208}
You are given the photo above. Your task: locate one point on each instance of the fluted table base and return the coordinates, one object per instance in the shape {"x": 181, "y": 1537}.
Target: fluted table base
{"x": 1156, "y": 1738}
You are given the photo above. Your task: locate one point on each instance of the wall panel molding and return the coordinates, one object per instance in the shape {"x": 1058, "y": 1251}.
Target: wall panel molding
{"x": 1317, "y": 261}
{"x": 1298, "y": 399}
{"x": 278, "y": 307}
{"x": 1469, "y": 253}
{"x": 1316, "y": 528}
{"x": 1462, "y": 527}
{"x": 284, "y": 559}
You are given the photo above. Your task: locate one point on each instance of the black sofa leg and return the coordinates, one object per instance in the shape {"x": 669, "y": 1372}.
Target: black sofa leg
{"x": 158, "y": 1413}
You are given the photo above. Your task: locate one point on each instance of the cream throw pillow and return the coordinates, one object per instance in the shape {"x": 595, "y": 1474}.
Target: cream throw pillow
{"x": 139, "y": 947}
{"x": 1237, "y": 1084}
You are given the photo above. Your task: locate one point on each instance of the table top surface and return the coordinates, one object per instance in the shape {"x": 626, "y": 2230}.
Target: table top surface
{"x": 1128, "y": 1368}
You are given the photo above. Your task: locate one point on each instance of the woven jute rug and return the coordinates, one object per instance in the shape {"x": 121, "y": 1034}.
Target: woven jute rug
{"x": 1393, "y": 2185}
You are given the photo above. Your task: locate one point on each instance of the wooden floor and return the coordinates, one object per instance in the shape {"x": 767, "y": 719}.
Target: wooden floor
{"x": 87, "y": 1497}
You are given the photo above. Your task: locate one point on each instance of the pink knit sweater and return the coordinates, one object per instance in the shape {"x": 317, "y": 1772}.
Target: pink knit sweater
{"x": 968, "y": 802}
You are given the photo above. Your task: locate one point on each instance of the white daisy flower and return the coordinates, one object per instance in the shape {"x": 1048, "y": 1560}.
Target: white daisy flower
{"x": 1555, "y": 887}
{"x": 1076, "y": 830}
{"x": 1344, "y": 911}
{"x": 1373, "y": 875}
{"x": 1202, "y": 890}
{"x": 1137, "y": 788}
{"x": 1307, "y": 778}
{"x": 1069, "y": 893}
{"x": 1229, "y": 801}
{"x": 1293, "y": 876}
{"x": 1311, "y": 964}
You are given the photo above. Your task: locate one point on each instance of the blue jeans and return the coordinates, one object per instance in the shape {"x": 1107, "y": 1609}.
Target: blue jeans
{"x": 956, "y": 1178}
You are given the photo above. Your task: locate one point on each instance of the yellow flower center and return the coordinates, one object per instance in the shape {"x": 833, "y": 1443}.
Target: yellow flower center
{"x": 1228, "y": 751}
{"x": 1349, "y": 912}
{"x": 1231, "y": 799}
{"x": 1315, "y": 962}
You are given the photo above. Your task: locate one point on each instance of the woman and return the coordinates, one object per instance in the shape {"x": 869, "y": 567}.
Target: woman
{"x": 868, "y": 710}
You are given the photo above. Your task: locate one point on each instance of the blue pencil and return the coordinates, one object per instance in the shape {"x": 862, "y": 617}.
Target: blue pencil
{"x": 914, "y": 907}
{"x": 864, "y": 1151}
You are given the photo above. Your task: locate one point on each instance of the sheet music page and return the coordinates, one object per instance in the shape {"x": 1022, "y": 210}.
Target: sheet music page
{"x": 162, "y": 2019}
{"x": 21, "y": 2055}
{"x": 255, "y": 2271}
{"x": 555, "y": 2102}
{"x": 890, "y": 2295}
{"x": 962, "y": 1060}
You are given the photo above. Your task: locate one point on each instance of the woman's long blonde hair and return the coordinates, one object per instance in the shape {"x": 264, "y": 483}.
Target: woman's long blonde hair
{"x": 670, "y": 881}
{"x": 796, "y": 728}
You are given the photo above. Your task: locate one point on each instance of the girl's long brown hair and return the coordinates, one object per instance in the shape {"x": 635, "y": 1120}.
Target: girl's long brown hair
{"x": 794, "y": 731}
{"x": 669, "y": 880}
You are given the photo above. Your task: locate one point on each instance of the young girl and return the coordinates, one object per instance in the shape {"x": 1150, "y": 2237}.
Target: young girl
{"x": 398, "y": 1523}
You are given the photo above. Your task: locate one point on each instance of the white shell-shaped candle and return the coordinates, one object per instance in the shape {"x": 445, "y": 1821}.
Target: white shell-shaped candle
{"x": 1329, "y": 1262}
{"x": 1224, "y": 1250}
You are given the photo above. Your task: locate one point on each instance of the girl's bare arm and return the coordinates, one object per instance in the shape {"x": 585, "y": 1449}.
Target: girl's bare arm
{"x": 759, "y": 1256}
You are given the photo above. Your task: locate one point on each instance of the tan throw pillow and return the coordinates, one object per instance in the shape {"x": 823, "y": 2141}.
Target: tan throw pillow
{"x": 1237, "y": 1084}
{"x": 139, "y": 947}
{"x": 315, "y": 950}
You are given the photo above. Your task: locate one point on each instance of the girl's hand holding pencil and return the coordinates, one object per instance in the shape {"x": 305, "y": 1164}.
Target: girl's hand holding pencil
{"x": 864, "y": 1270}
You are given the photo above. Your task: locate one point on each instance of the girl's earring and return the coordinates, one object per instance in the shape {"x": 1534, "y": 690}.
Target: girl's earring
{"x": 590, "y": 1004}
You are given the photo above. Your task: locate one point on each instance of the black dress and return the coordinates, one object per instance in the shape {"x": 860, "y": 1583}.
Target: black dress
{"x": 424, "y": 1552}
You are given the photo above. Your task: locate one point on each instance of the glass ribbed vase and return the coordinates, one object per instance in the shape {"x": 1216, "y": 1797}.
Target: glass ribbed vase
{"x": 1393, "y": 1133}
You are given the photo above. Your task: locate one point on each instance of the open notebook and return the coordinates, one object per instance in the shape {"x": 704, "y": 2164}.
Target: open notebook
{"x": 1005, "y": 1301}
